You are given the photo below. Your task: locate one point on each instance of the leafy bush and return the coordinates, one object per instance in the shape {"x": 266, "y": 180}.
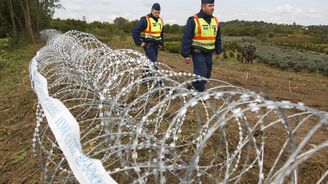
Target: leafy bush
{"x": 291, "y": 63}
{"x": 283, "y": 66}
{"x": 238, "y": 57}
{"x": 232, "y": 46}
{"x": 231, "y": 55}
{"x": 297, "y": 67}
{"x": 286, "y": 57}
{"x": 20, "y": 41}
{"x": 225, "y": 55}
{"x": 311, "y": 67}
{"x": 3, "y": 58}
{"x": 173, "y": 47}
{"x": 321, "y": 48}
{"x": 173, "y": 37}
{"x": 4, "y": 43}
{"x": 325, "y": 72}
{"x": 107, "y": 32}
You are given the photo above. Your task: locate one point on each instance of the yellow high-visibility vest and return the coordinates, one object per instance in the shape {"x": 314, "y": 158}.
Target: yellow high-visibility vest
{"x": 154, "y": 29}
{"x": 205, "y": 34}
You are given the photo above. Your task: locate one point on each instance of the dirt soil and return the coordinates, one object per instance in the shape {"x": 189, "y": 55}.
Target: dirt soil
{"x": 17, "y": 108}
{"x": 17, "y": 112}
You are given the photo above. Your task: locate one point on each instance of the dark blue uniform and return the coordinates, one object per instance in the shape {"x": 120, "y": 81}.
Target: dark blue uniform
{"x": 202, "y": 58}
{"x": 151, "y": 48}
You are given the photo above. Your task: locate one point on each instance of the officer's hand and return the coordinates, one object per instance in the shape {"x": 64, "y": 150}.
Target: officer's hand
{"x": 143, "y": 44}
{"x": 187, "y": 60}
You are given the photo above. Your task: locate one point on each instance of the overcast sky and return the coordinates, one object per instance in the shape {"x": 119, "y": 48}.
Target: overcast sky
{"x": 304, "y": 12}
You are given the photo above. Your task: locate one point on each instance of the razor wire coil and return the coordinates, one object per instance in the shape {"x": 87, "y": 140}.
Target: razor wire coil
{"x": 140, "y": 120}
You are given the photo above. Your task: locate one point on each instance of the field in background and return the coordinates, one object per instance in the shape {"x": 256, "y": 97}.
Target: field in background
{"x": 276, "y": 54}
{"x": 309, "y": 87}
{"x": 17, "y": 100}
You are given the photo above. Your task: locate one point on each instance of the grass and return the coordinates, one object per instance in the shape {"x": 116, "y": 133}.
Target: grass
{"x": 173, "y": 47}
{"x": 18, "y": 156}
{"x": 17, "y": 117}
{"x": 16, "y": 96}
{"x": 4, "y": 43}
{"x": 14, "y": 67}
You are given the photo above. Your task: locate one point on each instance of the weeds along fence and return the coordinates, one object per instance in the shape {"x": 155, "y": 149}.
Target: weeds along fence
{"x": 111, "y": 116}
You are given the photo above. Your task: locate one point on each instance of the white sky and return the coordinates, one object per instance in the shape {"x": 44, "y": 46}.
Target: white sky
{"x": 304, "y": 12}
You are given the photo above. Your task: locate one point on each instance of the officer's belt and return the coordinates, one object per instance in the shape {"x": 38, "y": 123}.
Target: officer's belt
{"x": 196, "y": 50}
{"x": 152, "y": 43}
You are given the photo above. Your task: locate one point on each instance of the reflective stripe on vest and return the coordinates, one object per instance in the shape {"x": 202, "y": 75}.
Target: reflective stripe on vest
{"x": 153, "y": 29}
{"x": 205, "y": 34}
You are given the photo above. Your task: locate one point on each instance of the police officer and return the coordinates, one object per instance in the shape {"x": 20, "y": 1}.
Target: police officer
{"x": 201, "y": 39}
{"x": 148, "y": 33}
{"x": 248, "y": 50}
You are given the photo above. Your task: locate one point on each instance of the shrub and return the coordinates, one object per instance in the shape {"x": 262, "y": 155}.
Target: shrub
{"x": 323, "y": 68}
{"x": 311, "y": 67}
{"x": 297, "y": 67}
{"x": 18, "y": 42}
{"x": 173, "y": 47}
{"x": 238, "y": 57}
{"x": 283, "y": 66}
{"x": 173, "y": 37}
{"x": 291, "y": 63}
{"x": 325, "y": 72}
{"x": 232, "y": 55}
{"x": 3, "y": 58}
{"x": 107, "y": 33}
{"x": 225, "y": 55}
{"x": 4, "y": 43}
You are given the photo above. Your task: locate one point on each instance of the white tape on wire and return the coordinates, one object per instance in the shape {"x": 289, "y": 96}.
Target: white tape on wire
{"x": 67, "y": 133}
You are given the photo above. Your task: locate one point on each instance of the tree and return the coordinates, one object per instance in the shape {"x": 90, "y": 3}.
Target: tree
{"x": 27, "y": 18}
{"x": 12, "y": 17}
{"x": 175, "y": 28}
{"x": 122, "y": 23}
{"x": 167, "y": 28}
{"x": 43, "y": 11}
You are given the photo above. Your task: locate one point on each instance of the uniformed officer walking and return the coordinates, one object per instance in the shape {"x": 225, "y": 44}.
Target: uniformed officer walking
{"x": 202, "y": 39}
{"x": 148, "y": 33}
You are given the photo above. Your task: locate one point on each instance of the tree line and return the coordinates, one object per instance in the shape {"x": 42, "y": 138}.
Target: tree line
{"x": 25, "y": 17}
{"x": 121, "y": 23}
{"x": 28, "y": 17}
{"x": 230, "y": 28}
